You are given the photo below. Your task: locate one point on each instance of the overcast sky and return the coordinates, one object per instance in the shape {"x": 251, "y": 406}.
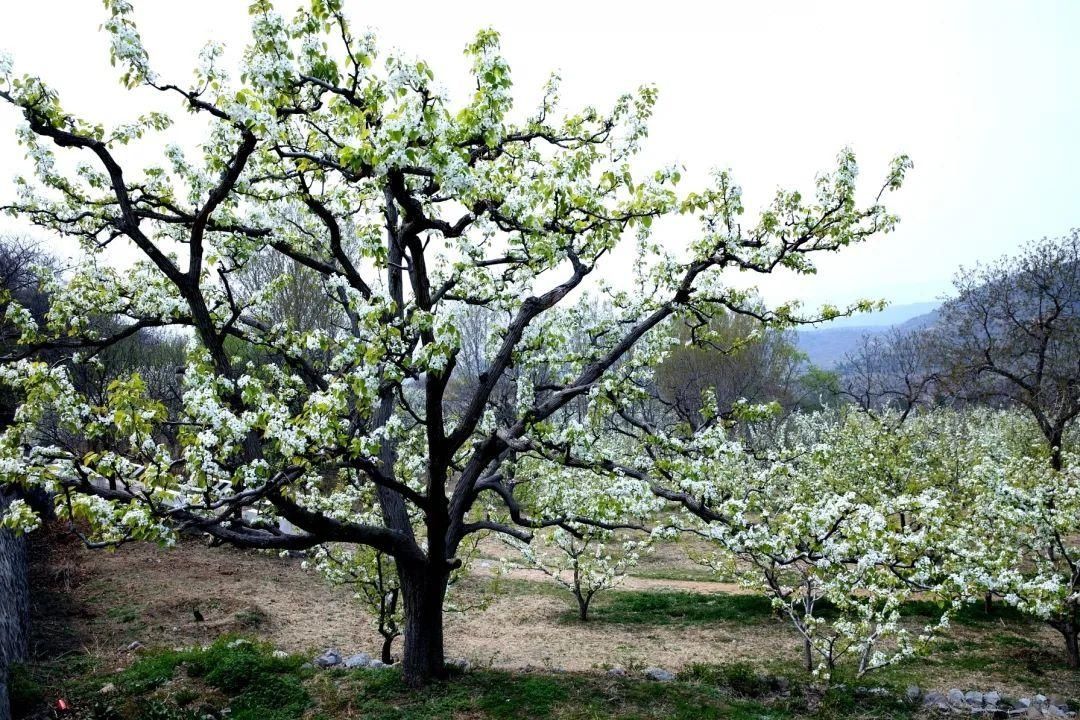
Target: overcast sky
{"x": 983, "y": 95}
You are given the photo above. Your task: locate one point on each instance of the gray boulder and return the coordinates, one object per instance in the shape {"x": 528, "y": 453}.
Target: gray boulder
{"x": 956, "y": 696}
{"x": 913, "y": 693}
{"x": 974, "y": 698}
{"x": 617, "y": 672}
{"x": 328, "y": 659}
{"x": 992, "y": 698}
{"x": 358, "y": 660}
{"x": 659, "y": 674}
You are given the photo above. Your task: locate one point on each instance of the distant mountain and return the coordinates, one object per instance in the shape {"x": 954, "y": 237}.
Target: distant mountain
{"x": 890, "y": 316}
{"x": 827, "y": 345}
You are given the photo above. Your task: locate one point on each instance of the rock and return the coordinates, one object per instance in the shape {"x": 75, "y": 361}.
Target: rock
{"x": 330, "y": 658}
{"x": 617, "y": 672}
{"x": 376, "y": 664}
{"x": 991, "y": 698}
{"x": 956, "y": 696}
{"x": 134, "y": 646}
{"x": 1024, "y": 702}
{"x": 933, "y": 698}
{"x": 659, "y": 674}
{"x": 358, "y": 660}
{"x": 1039, "y": 700}
{"x": 108, "y": 689}
{"x": 974, "y": 698}
{"x": 878, "y": 692}
{"x": 913, "y": 693}
{"x": 1033, "y": 712}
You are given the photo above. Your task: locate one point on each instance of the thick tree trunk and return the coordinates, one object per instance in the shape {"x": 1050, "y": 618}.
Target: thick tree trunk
{"x": 423, "y": 589}
{"x": 1072, "y": 644}
{"x": 14, "y": 605}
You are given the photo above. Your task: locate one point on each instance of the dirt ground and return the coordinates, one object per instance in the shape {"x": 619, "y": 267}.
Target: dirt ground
{"x": 100, "y": 602}
{"x": 148, "y": 594}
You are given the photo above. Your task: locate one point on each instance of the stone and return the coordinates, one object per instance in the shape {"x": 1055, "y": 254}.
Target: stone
{"x": 956, "y": 696}
{"x": 1033, "y": 712}
{"x": 134, "y": 646}
{"x": 991, "y": 698}
{"x": 460, "y": 664}
{"x": 330, "y": 658}
{"x": 358, "y": 660}
{"x": 933, "y": 698}
{"x": 1024, "y": 702}
{"x": 1039, "y": 700}
{"x": 376, "y": 664}
{"x": 973, "y": 698}
{"x": 913, "y": 693}
{"x": 617, "y": 672}
{"x": 108, "y": 689}
{"x": 659, "y": 674}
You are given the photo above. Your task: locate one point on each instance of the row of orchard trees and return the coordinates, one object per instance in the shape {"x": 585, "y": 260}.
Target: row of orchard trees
{"x": 372, "y": 430}
{"x": 844, "y": 519}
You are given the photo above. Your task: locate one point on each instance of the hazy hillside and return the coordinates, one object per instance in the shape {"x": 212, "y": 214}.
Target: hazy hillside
{"x": 826, "y": 346}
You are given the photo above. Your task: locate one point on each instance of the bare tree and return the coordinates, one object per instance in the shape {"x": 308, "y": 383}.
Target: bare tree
{"x": 1012, "y": 335}
{"x": 896, "y": 370}
{"x": 728, "y": 358}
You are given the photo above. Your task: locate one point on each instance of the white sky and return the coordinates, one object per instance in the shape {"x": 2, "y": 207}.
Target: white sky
{"x": 983, "y": 95}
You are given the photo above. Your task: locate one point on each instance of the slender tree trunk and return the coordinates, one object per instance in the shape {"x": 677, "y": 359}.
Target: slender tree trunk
{"x": 423, "y": 588}
{"x": 583, "y": 607}
{"x": 387, "y": 646}
{"x": 808, "y": 654}
{"x": 988, "y": 603}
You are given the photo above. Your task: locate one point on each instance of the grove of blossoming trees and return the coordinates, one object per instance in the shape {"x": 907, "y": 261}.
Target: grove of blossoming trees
{"x": 408, "y": 209}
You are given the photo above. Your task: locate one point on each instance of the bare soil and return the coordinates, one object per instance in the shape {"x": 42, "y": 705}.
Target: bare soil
{"x": 100, "y": 602}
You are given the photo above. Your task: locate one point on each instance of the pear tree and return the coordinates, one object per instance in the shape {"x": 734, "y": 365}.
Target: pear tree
{"x": 409, "y": 208}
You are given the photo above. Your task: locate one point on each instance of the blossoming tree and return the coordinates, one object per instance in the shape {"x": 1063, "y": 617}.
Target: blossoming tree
{"x": 409, "y": 209}
{"x": 1018, "y": 536}
{"x": 836, "y": 509}
{"x": 587, "y": 558}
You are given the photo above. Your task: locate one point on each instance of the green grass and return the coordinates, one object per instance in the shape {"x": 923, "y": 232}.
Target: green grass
{"x": 684, "y": 574}
{"x": 625, "y": 607}
{"x": 253, "y": 684}
{"x": 123, "y": 613}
